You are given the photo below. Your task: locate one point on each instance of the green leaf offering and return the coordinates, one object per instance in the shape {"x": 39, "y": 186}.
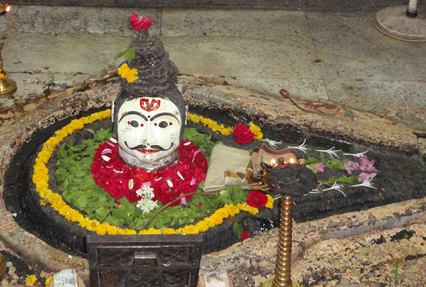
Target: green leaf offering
{"x": 129, "y": 53}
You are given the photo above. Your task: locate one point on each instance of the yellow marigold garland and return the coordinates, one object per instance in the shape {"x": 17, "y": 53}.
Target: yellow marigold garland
{"x": 125, "y": 72}
{"x": 47, "y": 283}
{"x": 41, "y": 179}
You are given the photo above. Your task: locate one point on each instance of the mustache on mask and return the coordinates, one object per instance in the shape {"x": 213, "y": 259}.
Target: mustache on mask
{"x": 143, "y": 146}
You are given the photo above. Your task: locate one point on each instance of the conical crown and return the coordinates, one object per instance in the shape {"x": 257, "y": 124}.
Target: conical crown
{"x": 151, "y": 67}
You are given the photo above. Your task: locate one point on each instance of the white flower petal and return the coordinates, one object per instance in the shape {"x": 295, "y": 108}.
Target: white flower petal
{"x": 169, "y": 183}
{"x": 105, "y": 151}
{"x": 106, "y": 158}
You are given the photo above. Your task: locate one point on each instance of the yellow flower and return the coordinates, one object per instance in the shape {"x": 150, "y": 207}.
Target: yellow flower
{"x": 84, "y": 222}
{"x": 150, "y": 231}
{"x": 47, "y": 283}
{"x": 226, "y": 131}
{"x": 209, "y": 222}
{"x": 125, "y": 72}
{"x": 92, "y": 225}
{"x": 169, "y": 231}
{"x": 112, "y": 230}
{"x": 73, "y": 215}
{"x": 189, "y": 229}
{"x": 30, "y": 280}
{"x": 127, "y": 231}
{"x": 202, "y": 226}
{"x": 256, "y": 130}
{"x": 102, "y": 228}
{"x": 1, "y": 76}
{"x": 216, "y": 218}
{"x": 270, "y": 202}
{"x": 232, "y": 209}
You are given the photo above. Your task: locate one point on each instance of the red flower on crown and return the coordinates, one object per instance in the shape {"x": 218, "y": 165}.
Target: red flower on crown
{"x": 138, "y": 23}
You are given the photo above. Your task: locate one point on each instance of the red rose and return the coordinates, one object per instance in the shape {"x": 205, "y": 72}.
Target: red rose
{"x": 140, "y": 23}
{"x": 243, "y": 134}
{"x": 256, "y": 199}
{"x": 245, "y": 234}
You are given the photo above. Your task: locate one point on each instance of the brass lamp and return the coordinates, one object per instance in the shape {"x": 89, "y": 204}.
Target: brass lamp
{"x": 292, "y": 180}
{"x": 7, "y": 85}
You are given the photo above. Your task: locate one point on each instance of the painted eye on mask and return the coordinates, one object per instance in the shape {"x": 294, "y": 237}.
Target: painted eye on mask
{"x": 163, "y": 124}
{"x": 134, "y": 124}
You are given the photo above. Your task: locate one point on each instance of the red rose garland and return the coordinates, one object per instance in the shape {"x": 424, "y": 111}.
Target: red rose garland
{"x": 140, "y": 23}
{"x": 119, "y": 179}
{"x": 256, "y": 199}
{"x": 243, "y": 134}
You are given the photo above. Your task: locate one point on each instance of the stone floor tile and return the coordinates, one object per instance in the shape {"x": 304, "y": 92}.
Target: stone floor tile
{"x": 351, "y": 47}
{"x": 241, "y": 57}
{"x": 30, "y": 87}
{"x": 270, "y": 25}
{"x": 72, "y": 53}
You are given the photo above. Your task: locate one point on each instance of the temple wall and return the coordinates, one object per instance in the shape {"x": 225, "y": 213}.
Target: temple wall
{"x": 325, "y": 5}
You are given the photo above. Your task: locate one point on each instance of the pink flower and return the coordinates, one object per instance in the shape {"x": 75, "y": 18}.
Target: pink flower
{"x": 320, "y": 167}
{"x": 350, "y": 166}
{"x": 366, "y": 176}
{"x": 138, "y": 23}
{"x": 367, "y": 165}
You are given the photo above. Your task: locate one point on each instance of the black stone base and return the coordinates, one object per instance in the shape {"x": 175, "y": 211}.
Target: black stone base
{"x": 401, "y": 178}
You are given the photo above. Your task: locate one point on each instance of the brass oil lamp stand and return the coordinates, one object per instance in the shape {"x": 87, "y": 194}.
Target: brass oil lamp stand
{"x": 290, "y": 181}
{"x": 7, "y": 86}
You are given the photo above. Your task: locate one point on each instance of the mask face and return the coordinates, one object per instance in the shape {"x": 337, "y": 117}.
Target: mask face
{"x": 148, "y": 130}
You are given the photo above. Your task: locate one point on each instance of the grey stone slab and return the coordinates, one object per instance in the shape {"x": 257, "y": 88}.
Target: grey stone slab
{"x": 64, "y": 53}
{"x": 91, "y": 3}
{"x": 351, "y": 5}
{"x": 303, "y": 89}
{"x": 242, "y": 57}
{"x": 6, "y": 20}
{"x": 401, "y": 101}
{"x": 6, "y": 102}
{"x": 69, "y": 79}
{"x": 56, "y": 20}
{"x": 163, "y": 3}
{"x": 273, "y": 25}
{"x": 30, "y": 86}
{"x": 352, "y": 48}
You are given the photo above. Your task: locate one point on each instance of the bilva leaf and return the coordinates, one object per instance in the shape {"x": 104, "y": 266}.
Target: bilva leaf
{"x": 129, "y": 53}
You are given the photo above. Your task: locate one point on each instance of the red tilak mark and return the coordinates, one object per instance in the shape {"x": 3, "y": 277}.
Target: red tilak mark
{"x": 148, "y": 106}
